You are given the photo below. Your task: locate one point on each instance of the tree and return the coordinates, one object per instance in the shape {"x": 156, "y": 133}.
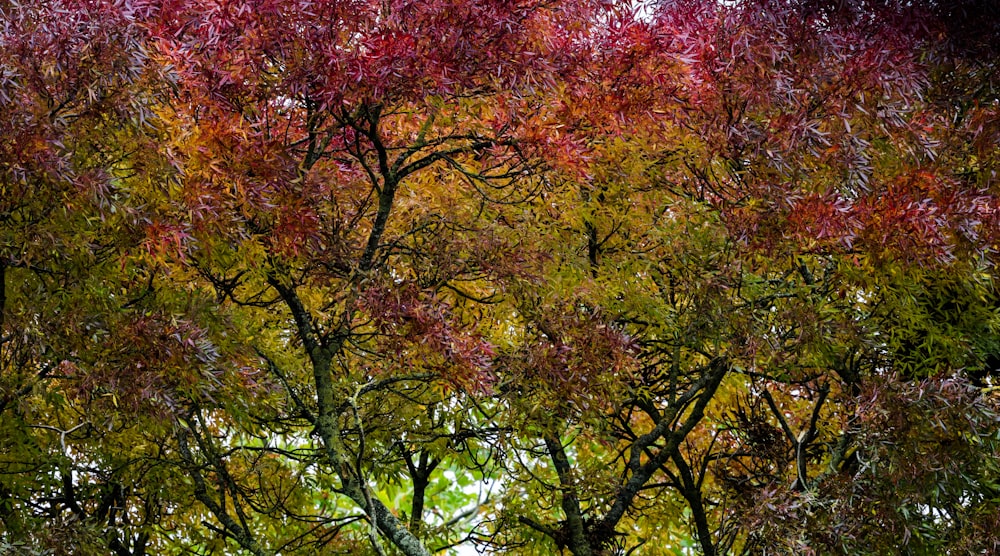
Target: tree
{"x": 292, "y": 164}
{"x": 289, "y": 277}
{"x": 806, "y": 225}
{"x": 75, "y": 91}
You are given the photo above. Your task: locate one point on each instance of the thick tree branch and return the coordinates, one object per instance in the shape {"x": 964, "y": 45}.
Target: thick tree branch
{"x": 231, "y": 528}
{"x": 570, "y": 503}
{"x": 704, "y": 390}
{"x": 690, "y": 489}
{"x": 420, "y": 473}
{"x": 328, "y": 429}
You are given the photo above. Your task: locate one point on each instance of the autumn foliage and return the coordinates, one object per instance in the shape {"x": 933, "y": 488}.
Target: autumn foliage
{"x": 527, "y": 277}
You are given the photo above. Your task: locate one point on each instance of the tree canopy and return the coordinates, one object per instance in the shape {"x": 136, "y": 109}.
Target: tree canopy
{"x": 588, "y": 277}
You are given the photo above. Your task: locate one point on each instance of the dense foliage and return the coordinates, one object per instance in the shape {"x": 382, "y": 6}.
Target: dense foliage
{"x": 532, "y": 276}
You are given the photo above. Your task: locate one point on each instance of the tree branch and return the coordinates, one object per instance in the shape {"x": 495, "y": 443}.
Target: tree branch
{"x": 570, "y": 503}
{"x": 704, "y": 389}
